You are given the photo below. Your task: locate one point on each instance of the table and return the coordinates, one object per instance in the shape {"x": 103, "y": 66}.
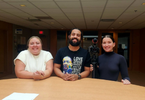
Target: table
{"x": 54, "y": 88}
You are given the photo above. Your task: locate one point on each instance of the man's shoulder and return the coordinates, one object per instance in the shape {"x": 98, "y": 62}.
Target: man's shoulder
{"x": 83, "y": 50}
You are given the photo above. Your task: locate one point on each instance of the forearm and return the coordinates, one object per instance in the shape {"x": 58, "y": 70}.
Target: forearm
{"x": 24, "y": 74}
{"x": 47, "y": 73}
{"x": 58, "y": 72}
{"x": 85, "y": 73}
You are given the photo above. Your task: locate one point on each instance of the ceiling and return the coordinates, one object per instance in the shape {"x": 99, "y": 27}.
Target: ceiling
{"x": 67, "y": 14}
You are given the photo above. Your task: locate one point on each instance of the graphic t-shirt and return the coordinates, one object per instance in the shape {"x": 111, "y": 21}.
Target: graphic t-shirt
{"x": 72, "y": 62}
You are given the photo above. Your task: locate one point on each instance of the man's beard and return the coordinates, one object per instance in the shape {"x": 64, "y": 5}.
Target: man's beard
{"x": 76, "y": 43}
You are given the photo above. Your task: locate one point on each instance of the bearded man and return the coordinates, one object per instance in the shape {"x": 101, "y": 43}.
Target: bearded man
{"x": 80, "y": 58}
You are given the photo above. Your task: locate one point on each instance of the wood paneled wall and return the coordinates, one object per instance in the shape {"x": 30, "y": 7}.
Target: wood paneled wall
{"x": 8, "y": 28}
{"x": 53, "y": 42}
{"x": 142, "y": 51}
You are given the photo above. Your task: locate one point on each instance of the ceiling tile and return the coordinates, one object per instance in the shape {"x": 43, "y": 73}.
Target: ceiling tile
{"x": 119, "y": 3}
{"x": 69, "y": 4}
{"x": 93, "y": 4}
{"x": 48, "y": 5}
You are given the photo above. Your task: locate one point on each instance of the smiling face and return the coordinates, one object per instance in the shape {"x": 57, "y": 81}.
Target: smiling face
{"x": 108, "y": 44}
{"x": 75, "y": 37}
{"x": 35, "y": 46}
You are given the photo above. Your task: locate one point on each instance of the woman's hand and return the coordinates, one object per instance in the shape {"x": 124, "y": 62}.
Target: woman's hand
{"x": 38, "y": 75}
{"x": 91, "y": 67}
{"x": 126, "y": 82}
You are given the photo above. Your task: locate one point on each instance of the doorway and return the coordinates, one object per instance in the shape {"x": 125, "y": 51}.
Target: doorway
{"x": 123, "y": 45}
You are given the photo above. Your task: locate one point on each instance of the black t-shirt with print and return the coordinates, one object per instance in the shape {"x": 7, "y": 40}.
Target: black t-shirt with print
{"x": 72, "y": 62}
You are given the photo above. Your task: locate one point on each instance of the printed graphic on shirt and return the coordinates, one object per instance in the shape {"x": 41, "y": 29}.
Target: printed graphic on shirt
{"x": 77, "y": 63}
{"x": 67, "y": 65}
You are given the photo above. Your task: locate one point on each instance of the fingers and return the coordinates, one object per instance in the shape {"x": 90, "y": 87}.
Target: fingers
{"x": 73, "y": 77}
{"x": 125, "y": 82}
{"x": 91, "y": 68}
{"x": 65, "y": 77}
{"x": 38, "y": 75}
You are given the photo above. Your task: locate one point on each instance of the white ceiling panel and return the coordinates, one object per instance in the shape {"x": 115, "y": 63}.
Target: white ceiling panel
{"x": 35, "y": 12}
{"x": 14, "y": 0}
{"x": 92, "y": 16}
{"x": 114, "y": 10}
{"x": 119, "y": 3}
{"x": 93, "y": 4}
{"x": 18, "y": 5}
{"x": 92, "y": 24}
{"x": 53, "y": 23}
{"x": 137, "y": 3}
{"x": 110, "y": 15}
{"x": 48, "y": 5}
{"x": 93, "y": 10}
{"x": 40, "y": 0}
{"x": 74, "y": 10}
{"x": 66, "y": 14}
{"x": 69, "y": 4}
{"x": 139, "y": 26}
{"x": 66, "y": 0}
{"x": 74, "y": 14}
{"x": 4, "y": 5}
{"x": 104, "y": 25}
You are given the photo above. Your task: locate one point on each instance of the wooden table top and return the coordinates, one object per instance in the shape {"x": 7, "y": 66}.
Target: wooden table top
{"x": 54, "y": 88}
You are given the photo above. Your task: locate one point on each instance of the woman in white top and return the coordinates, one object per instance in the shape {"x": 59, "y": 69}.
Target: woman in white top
{"x": 34, "y": 63}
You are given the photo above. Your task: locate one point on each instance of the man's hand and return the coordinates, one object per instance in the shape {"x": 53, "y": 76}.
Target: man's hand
{"x": 72, "y": 77}
{"x": 65, "y": 77}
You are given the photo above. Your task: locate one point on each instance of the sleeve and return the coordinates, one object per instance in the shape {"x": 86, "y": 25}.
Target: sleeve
{"x": 58, "y": 59}
{"x": 49, "y": 56}
{"x": 123, "y": 68}
{"x": 88, "y": 60}
{"x": 21, "y": 56}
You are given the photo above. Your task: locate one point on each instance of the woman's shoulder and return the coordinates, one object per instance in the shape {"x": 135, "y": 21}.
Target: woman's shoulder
{"x": 24, "y": 52}
{"x": 45, "y": 52}
{"x": 119, "y": 55}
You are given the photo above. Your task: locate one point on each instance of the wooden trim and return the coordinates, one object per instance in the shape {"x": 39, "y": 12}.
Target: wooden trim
{"x": 115, "y": 36}
{"x": 53, "y": 42}
{"x": 130, "y": 51}
{"x": 66, "y": 38}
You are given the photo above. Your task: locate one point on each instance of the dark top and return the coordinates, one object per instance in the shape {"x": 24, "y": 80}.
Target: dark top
{"x": 72, "y": 62}
{"x": 110, "y": 64}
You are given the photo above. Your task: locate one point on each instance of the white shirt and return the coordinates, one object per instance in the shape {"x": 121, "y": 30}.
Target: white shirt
{"x": 34, "y": 63}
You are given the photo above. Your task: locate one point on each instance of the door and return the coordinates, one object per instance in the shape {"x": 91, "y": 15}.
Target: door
{"x": 123, "y": 45}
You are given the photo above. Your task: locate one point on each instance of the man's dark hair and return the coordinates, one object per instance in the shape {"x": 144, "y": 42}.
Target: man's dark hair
{"x": 77, "y": 29}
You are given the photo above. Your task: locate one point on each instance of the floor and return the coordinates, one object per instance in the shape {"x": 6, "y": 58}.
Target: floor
{"x": 137, "y": 78}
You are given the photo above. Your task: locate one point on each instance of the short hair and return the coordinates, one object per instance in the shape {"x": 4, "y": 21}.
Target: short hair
{"x": 31, "y": 38}
{"x": 77, "y": 29}
{"x": 109, "y": 36}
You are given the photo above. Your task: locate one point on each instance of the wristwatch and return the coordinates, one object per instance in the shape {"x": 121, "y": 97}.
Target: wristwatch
{"x": 79, "y": 76}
